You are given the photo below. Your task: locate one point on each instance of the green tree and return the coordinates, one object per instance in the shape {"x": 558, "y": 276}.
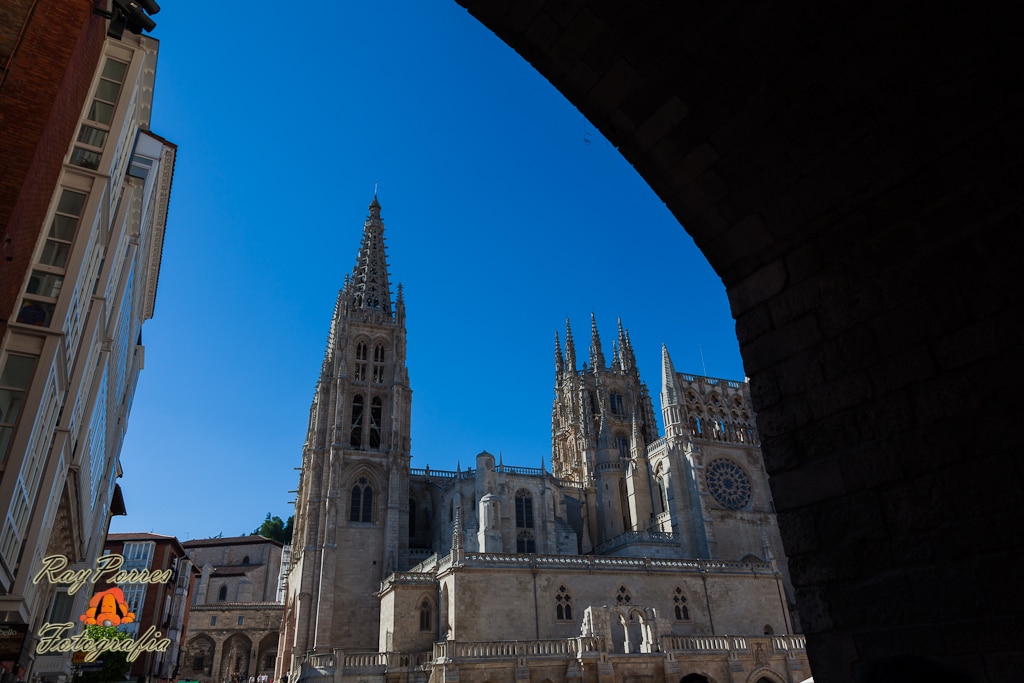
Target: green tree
{"x": 115, "y": 664}
{"x": 276, "y": 529}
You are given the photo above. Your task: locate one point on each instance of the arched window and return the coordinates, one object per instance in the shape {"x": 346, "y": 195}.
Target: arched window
{"x": 563, "y": 604}
{"x": 622, "y": 443}
{"x": 627, "y": 515}
{"x": 359, "y": 374}
{"x": 223, "y": 594}
{"x": 245, "y": 560}
{"x": 378, "y": 364}
{"x": 525, "y": 541}
{"x": 680, "y": 607}
{"x": 361, "y": 509}
{"x": 355, "y": 439}
{"x": 376, "y": 408}
{"x": 615, "y": 403}
{"x": 426, "y": 622}
{"x": 524, "y": 509}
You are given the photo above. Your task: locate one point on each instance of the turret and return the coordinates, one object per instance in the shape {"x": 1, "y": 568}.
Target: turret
{"x": 559, "y": 360}
{"x": 627, "y": 360}
{"x": 638, "y": 479}
{"x": 570, "y": 348}
{"x": 596, "y": 354}
{"x": 671, "y": 398}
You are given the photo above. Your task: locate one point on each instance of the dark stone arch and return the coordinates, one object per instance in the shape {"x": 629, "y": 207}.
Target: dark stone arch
{"x": 694, "y": 678}
{"x": 852, "y": 174}
{"x": 234, "y": 657}
{"x": 199, "y": 656}
{"x": 267, "y": 654}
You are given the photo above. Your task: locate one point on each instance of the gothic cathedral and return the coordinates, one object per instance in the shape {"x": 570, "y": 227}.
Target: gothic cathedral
{"x": 639, "y": 557}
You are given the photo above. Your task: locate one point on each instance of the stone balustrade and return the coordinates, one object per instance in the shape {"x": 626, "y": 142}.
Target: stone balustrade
{"x": 566, "y": 648}
{"x": 503, "y": 649}
{"x": 428, "y": 570}
{"x": 365, "y": 661}
{"x": 317, "y": 661}
{"x": 645, "y": 536}
{"x": 789, "y": 645}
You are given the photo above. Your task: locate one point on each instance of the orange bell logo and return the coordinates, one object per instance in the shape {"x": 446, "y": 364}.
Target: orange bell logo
{"x": 108, "y": 608}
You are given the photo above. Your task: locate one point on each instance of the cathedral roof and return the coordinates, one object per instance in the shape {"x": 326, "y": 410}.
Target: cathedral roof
{"x": 231, "y": 540}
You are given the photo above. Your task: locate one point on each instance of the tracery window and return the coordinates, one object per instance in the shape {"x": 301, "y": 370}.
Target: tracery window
{"x": 378, "y": 364}
{"x": 525, "y": 541}
{"x": 622, "y": 597}
{"x": 355, "y": 439}
{"x": 360, "y": 370}
{"x": 426, "y": 622}
{"x": 361, "y": 509}
{"x": 622, "y": 444}
{"x": 615, "y": 403}
{"x": 728, "y": 484}
{"x": 681, "y": 609}
{"x": 563, "y": 604}
{"x": 524, "y": 509}
{"x": 376, "y": 410}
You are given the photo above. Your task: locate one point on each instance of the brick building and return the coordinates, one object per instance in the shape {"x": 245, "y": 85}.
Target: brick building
{"x": 84, "y": 191}
{"x": 164, "y": 606}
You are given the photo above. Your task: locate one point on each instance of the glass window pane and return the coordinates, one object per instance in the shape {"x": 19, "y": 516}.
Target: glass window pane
{"x": 6, "y": 434}
{"x": 71, "y": 203}
{"x": 18, "y": 371}
{"x": 100, "y": 112}
{"x": 85, "y": 158}
{"x": 38, "y": 313}
{"x": 55, "y": 253}
{"x": 114, "y": 70}
{"x": 107, "y": 91}
{"x": 63, "y": 227}
{"x": 10, "y": 405}
{"x": 45, "y": 284}
{"x": 92, "y": 136}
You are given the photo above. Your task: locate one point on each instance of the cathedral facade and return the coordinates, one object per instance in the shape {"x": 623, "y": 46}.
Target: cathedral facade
{"x": 639, "y": 557}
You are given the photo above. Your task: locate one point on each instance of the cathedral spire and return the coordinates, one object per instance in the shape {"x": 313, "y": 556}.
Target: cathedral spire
{"x": 370, "y": 288}
{"x": 596, "y": 354}
{"x": 570, "y": 348}
{"x": 669, "y": 385}
{"x": 559, "y": 361}
{"x": 627, "y": 361}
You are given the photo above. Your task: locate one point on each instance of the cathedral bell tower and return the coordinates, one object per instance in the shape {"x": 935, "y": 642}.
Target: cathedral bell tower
{"x": 601, "y": 423}
{"x": 351, "y": 511}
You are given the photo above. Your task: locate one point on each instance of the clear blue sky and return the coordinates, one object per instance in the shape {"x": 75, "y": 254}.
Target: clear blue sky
{"x": 504, "y": 212}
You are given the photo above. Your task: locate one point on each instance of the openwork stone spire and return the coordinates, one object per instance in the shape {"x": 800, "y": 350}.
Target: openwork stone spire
{"x": 369, "y": 283}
